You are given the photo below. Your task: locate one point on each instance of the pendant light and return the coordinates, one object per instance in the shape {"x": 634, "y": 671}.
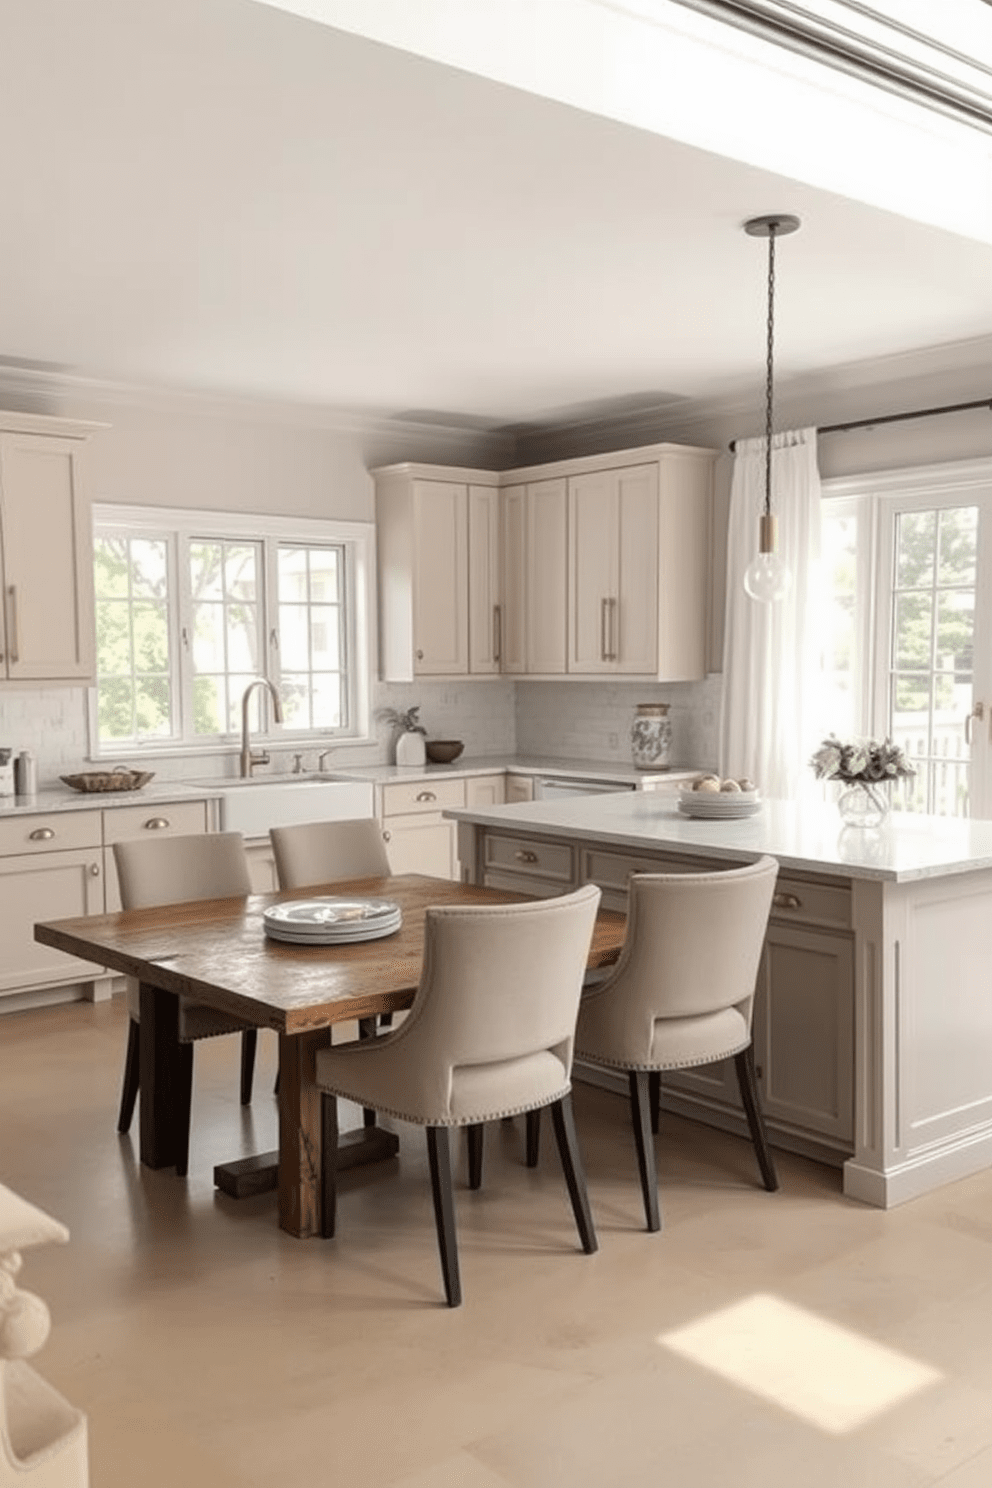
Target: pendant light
{"x": 767, "y": 577}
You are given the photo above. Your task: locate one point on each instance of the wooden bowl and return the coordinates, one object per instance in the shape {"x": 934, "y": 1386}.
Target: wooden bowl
{"x": 443, "y": 751}
{"x": 92, "y": 781}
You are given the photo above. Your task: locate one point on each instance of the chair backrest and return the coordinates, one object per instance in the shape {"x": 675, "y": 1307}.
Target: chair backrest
{"x": 503, "y": 981}
{"x": 177, "y": 870}
{"x": 326, "y": 851}
{"x": 692, "y": 947}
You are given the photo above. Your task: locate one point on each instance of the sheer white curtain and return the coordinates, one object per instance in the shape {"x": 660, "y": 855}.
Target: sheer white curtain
{"x": 770, "y": 719}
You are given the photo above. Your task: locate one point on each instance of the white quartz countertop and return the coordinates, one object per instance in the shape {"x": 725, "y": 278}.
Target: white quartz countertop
{"x": 62, "y": 798}
{"x": 805, "y": 837}
{"x": 522, "y": 764}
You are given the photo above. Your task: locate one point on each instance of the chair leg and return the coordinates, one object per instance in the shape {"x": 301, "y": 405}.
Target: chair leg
{"x": 533, "y": 1137}
{"x": 182, "y": 1107}
{"x": 654, "y": 1089}
{"x": 563, "y": 1122}
{"x": 132, "y": 1066}
{"x": 475, "y": 1136}
{"x": 744, "y": 1063}
{"x": 439, "y": 1153}
{"x": 329, "y": 1164}
{"x": 249, "y": 1042}
{"x": 366, "y": 1030}
{"x": 640, "y": 1114}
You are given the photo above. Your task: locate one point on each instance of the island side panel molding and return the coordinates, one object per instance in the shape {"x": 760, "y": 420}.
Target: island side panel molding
{"x": 924, "y": 1065}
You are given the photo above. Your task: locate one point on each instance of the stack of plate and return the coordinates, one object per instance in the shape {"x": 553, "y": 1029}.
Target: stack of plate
{"x": 332, "y": 921}
{"x": 719, "y": 805}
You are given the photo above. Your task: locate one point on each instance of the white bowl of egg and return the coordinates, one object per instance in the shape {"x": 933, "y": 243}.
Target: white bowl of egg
{"x": 709, "y": 797}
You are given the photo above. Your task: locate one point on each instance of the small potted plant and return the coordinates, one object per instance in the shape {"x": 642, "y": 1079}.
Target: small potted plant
{"x": 410, "y": 750}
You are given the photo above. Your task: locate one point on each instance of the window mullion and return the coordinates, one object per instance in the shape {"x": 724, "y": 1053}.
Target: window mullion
{"x": 184, "y": 628}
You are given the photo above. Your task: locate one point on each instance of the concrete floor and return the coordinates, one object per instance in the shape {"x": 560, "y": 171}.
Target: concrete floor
{"x": 762, "y": 1339}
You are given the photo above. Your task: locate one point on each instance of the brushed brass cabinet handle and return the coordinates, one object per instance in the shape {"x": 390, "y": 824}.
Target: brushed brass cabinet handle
{"x": 426, "y": 796}
{"x": 95, "y": 870}
{"x": 787, "y": 901}
{"x": 604, "y": 606}
{"x": 497, "y": 633}
{"x": 41, "y": 834}
{"x": 156, "y": 823}
{"x": 387, "y": 836}
{"x": 525, "y": 856}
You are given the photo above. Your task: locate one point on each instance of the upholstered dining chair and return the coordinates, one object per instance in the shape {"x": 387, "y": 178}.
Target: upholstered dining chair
{"x": 320, "y": 852}
{"x": 179, "y": 870}
{"x": 490, "y": 1034}
{"x": 681, "y": 994}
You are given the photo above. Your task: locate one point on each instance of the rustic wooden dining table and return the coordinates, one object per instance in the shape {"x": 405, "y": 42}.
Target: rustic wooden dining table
{"x": 217, "y": 952}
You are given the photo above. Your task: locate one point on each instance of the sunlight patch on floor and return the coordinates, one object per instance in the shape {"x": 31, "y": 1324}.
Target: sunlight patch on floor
{"x": 830, "y": 1376}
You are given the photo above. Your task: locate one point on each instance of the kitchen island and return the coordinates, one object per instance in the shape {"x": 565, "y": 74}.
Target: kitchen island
{"x": 873, "y": 1021}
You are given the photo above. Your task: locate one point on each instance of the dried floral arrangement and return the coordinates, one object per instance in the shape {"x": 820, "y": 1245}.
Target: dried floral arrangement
{"x": 860, "y": 760}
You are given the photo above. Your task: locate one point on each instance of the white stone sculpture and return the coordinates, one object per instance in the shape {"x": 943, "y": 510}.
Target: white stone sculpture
{"x": 43, "y": 1440}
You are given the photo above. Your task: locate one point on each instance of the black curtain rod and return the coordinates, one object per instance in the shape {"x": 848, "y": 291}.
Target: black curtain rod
{"x": 897, "y": 418}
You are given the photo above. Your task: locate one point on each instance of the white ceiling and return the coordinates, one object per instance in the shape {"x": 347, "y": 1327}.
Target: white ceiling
{"x": 216, "y": 196}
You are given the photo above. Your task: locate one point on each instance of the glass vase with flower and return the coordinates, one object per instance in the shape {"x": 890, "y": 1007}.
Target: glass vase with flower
{"x": 866, "y": 770}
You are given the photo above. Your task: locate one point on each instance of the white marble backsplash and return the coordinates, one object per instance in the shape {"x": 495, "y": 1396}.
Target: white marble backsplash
{"x": 585, "y": 721}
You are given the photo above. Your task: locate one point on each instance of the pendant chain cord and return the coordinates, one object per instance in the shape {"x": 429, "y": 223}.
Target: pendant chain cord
{"x": 768, "y": 372}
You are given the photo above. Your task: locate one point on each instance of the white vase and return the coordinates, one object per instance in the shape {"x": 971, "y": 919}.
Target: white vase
{"x": 410, "y": 750}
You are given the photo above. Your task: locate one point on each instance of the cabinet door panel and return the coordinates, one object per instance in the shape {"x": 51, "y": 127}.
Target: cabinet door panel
{"x": 547, "y": 576}
{"x": 485, "y": 612}
{"x": 49, "y": 886}
{"x": 47, "y": 559}
{"x": 804, "y": 1030}
{"x": 593, "y": 570}
{"x": 422, "y": 846}
{"x": 634, "y": 619}
{"x": 440, "y": 625}
{"x": 485, "y": 790}
{"x": 514, "y": 558}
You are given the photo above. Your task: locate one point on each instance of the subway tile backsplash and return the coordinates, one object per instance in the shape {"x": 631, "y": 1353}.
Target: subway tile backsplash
{"x": 591, "y": 720}
{"x": 566, "y": 720}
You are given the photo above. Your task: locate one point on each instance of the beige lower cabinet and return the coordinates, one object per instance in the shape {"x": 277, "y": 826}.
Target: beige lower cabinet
{"x": 804, "y": 1024}
{"x": 262, "y": 867}
{"x": 519, "y": 787}
{"x": 50, "y": 869}
{"x": 418, "y": 838}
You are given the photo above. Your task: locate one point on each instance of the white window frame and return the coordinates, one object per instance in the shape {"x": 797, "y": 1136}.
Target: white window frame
{"x": 179, "y": 525}
{"x": 880, "y": 495}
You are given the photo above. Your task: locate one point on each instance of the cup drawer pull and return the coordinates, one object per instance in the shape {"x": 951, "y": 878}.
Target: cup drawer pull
{"x": 787, "y": 901}
{"x": 526, "y": 856}
{"x": 157, "y": 823}
{"x": 41, "y": 834}
{"x": 426, "y": 796}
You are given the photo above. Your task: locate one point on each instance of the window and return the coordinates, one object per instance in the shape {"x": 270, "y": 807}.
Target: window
{"x": 910, "y": 583}
{"x": 190, "y": 608}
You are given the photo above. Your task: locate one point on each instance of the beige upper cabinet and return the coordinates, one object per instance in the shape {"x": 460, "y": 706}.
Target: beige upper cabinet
{"x": 613, "y": 570}
{"x": 587, "y": 567}
{"x": 485, "y": 587}
{"x": 535, "y": 567}
{"x": 46, "y": 554}
{"x": 638, "y": 546}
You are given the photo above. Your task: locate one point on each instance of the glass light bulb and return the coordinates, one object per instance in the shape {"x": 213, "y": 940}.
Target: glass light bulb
{"x": 767, "y": 578}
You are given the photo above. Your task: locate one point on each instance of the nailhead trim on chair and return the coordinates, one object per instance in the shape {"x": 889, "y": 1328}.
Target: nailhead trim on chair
{"x": 625, "y": 1064}
{"x": 448, "y": 1120}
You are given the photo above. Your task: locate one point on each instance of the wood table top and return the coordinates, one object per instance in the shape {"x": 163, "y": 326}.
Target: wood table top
{"x": 216, "y": 951}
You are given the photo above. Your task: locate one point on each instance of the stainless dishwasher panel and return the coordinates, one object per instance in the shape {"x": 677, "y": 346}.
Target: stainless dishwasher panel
{"x": 556, "y": 788}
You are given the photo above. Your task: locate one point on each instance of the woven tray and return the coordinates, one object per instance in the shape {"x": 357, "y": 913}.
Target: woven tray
{"x": 109, "y": 780}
